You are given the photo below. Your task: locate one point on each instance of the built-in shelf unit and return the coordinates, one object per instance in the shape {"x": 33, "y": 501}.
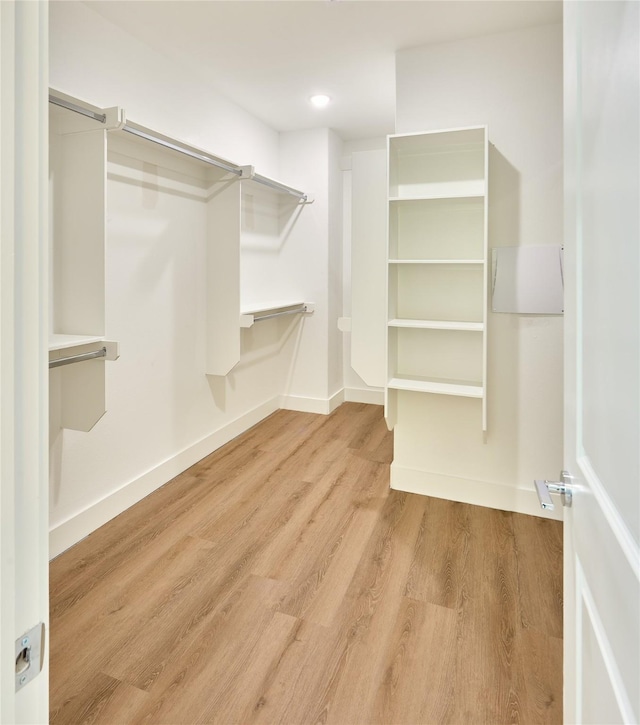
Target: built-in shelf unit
{"x": 77, "y": 187}
{"x": 437, "y": 266}
{"x": 80, "y": 134}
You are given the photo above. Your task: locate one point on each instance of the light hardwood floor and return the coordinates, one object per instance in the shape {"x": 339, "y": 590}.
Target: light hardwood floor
{"x": 279, "y": 580}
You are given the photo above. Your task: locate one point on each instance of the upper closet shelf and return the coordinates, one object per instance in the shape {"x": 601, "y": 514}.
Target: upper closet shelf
{"x": 84, "y": 116}
{"x": 258, "y": 312}
{"x": 115, "y": 119}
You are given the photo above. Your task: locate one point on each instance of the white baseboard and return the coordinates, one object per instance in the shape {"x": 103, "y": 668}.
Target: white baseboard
{"x": 323, "y": 406}
{"x": 372, "y": 396}
{"x": 81, "y": 524}
{"x": 479, "y": 493}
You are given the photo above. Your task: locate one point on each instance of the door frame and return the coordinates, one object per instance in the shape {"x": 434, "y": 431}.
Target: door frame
{"x": 24, "y": 271}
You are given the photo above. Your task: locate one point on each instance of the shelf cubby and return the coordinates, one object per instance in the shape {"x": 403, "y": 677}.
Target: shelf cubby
{"x": 445, "y": 164}
{"x": 436, "y": 229}
{"x": 438, "y": 292}
{"x": 416, "y": 352}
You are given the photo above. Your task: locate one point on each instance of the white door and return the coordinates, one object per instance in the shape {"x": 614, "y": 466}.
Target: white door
{"x": 602, "y": 370}
{"x": 23, "y": 356}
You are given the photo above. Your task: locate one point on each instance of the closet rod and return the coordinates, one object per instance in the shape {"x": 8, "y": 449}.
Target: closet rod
{"x": 78, "y": 358}
{"x": 297, "y": 311}
{"x": 186, "y": 150}
{"x": 279, "y": 187}
{"x": 57, "y": 101}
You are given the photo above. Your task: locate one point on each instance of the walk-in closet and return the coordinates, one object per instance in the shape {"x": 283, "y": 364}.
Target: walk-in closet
{"x": 320, "y": 383}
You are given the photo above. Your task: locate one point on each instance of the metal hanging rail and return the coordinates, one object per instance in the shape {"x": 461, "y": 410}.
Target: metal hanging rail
{"x": 194, "y": 153}
{"x": 63, "y": 103}
{"x": 181, "y": 148}
{"x": 279, "y": 187}
{"x": 78, "y": 358}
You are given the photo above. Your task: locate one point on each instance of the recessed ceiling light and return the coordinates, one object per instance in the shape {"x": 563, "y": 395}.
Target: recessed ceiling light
{"x": 320, "y": 100}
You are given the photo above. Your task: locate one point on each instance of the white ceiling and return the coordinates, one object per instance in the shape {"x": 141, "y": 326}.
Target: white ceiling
{"x": 270, "y": 56}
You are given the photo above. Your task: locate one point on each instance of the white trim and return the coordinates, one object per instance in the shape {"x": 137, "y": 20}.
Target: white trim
{"x": 24, "y": 261}
{"x": 69, "y": 532}
{"x": 322, "y": 406}
{"x": 615, "y": 677}
{"x": 479, "y": 493}
{"x": 616, "y": 523}
{"x": 371, "y": 396}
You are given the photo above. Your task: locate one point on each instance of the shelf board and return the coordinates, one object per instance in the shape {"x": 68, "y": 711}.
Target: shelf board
{"x": 462, "y": 388}
{"x": 272, "y": 306}
{"x": 436, "y": 196}
{"x": 475, "y": 189}
{"x": 63, "y": 342}
{"x": 438, "y": 325}
{"x": 252, "y": 313}
{"x": 436, "y": 261}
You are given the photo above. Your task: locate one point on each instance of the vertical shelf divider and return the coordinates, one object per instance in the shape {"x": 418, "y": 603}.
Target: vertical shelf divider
{"x": 223, "y": 274}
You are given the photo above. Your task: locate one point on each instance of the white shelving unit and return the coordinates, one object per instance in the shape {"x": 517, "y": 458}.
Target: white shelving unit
{"x": 77, "y": 185}
{"x": 437, "y": 266}
{"x": 78, "y": 143}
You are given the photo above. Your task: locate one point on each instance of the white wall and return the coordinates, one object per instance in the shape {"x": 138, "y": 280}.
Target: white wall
{"x": 163, "y": 412}
{"x": 513, "y": 83}
{"x": 310, "y": 160}
{"x": 98, "y": 62}
{"x": 355, "y": 387}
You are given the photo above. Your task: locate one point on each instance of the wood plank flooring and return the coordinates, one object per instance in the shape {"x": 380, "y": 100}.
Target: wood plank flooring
{"x": 279, "y": 580}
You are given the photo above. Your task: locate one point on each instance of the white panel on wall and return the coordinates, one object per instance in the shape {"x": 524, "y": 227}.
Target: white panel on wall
{"x": 368, "y": 265}
{"x": 223, "y": 275}
{"x": 528, "y": 280}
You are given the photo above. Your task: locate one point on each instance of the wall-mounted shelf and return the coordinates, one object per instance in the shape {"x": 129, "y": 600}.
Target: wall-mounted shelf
{"x": 436, "y": 261}
{"x": 256, "y": 313}
{"x": 64, "y": 342}
{"x": 434, "y": 192}
{"x": 438, "y": 386}
{"x": 437, "y": 325}
{"x": 437, "y": 266}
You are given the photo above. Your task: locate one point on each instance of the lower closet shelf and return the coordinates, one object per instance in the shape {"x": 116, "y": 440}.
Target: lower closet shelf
{"x": 77, "y": 368}
{"x": 463, "y": 388}
{"x": 255, "y": 313}
{"x": 64, "y": 342}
